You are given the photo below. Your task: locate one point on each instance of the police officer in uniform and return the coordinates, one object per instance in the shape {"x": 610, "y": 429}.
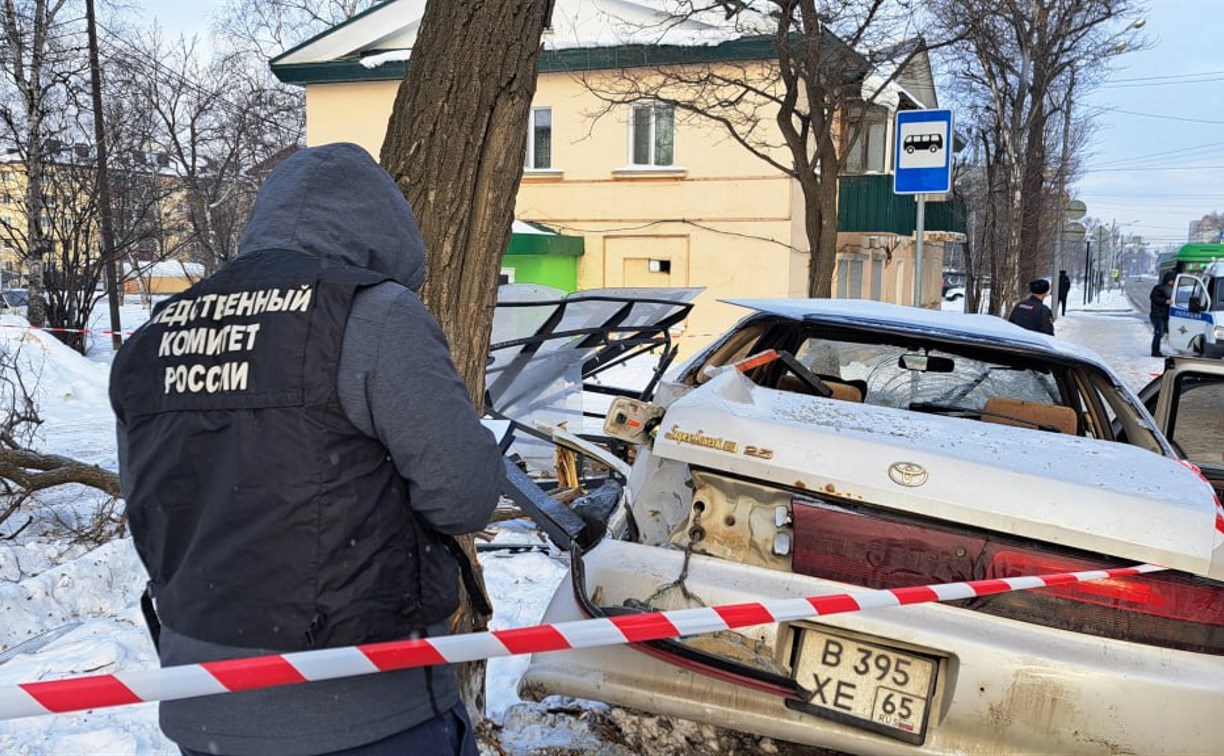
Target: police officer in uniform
{"x": 1161, "y": 298}
{"x": 296, "y": 450}
{"x": 1032, "y": 312}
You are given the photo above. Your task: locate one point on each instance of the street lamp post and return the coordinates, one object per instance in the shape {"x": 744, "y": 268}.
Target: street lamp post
{"x": 1072, "y": 231}
{"x": 1090, "y": 268}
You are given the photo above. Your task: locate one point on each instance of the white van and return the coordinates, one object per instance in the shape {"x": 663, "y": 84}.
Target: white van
{"x": 1196, "y": 317}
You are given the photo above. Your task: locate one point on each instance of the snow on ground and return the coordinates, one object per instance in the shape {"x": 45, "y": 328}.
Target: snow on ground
{"x": 76, "y": 608}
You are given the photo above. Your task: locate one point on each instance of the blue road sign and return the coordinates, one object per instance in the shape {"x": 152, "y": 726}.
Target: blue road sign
{"x": 922, "y": 156}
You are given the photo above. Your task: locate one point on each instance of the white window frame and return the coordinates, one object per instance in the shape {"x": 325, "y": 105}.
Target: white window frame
{"x": 861, "y": 117}
{"x": 529, "y": 158}
{"x": 849, "y": 275}
{"x": 653, "y": 159}
{"x": 878, "y": 262}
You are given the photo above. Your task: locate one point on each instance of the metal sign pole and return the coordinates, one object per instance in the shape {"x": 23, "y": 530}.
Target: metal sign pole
{"x": 919, "y": 232}
{"x": 1072, "y": 231}
{"x": 923, "y": 141}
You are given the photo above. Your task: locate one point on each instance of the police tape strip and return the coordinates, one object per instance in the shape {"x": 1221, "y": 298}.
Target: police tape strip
{"x": 189, "y": 681}
{"x": 104, "y": 332}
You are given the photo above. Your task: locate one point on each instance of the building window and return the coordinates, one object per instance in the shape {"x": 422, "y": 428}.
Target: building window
{"x": 867, "y": 142}
{"x": 877, "y": 276}
{"x": 849, "y": 278}
{"x": 653, "y": 135}
{"x": 539, "y": 142}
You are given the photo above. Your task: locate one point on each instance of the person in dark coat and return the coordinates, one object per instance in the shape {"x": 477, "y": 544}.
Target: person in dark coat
{"x": 1161, "y": 298}
{"x": 296, "y": 450}
{"x": 1064, "y": 288}
{"x": 1032, "y": 312}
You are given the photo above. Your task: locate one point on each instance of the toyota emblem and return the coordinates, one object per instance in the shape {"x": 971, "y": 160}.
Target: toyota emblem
{"x": 907, "y": 474}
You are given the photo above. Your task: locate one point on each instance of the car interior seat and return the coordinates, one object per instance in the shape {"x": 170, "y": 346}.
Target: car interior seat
{"x": 846, "y": 391}
{"x": 1025, "y": 414}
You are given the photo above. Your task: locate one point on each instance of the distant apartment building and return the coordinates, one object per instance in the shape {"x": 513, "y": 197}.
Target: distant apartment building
{"x": 69, "y": 216}
{"x": 1207, "y": 230}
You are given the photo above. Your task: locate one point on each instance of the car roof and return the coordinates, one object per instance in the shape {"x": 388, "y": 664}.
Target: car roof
{"x": 968, "y": 328}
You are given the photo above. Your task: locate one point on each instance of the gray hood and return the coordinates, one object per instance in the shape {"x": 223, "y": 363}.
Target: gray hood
{"x": 336, "y": 203}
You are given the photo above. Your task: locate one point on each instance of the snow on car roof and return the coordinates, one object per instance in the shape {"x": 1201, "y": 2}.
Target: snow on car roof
{"x": 869, "y": 314}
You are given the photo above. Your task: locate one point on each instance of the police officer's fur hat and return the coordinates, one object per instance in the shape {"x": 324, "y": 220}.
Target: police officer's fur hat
{"x": 1039, "y": 286}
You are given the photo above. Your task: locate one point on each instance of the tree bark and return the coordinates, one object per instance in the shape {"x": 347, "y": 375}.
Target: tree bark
{"x": 34, "y": 471}
{"x": 455, "y": 144}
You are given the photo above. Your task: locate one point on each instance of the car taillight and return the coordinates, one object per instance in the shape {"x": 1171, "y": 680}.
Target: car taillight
{"x": 1219, "y": 506}
{"x": 876, "y": 550}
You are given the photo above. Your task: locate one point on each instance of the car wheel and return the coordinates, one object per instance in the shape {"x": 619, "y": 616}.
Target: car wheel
{"x": 957, "y": 297}
{"x": 934, "y": 148}
{"x": 910, "y": 149}
{"x": 1196, "y": 347}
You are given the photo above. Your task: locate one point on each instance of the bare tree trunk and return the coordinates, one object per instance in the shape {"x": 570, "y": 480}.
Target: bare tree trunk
{"x": 820, "y": 225}
{"x": 104, "y": 191}
{"x": 455, "y": 145}
{"x": 28, "y": 76}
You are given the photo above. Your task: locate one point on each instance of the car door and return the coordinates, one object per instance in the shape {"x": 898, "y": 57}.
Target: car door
{"x": 1190, "y": 412}
{"x": 1188, "y": 319}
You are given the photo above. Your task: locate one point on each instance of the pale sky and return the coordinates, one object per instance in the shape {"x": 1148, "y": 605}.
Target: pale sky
{"x": 1158, "y": 153}
{"x": 1159, "y": 150}
{"x": 186, "y": 16}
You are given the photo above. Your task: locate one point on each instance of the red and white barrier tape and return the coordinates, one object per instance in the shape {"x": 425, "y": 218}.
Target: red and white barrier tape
{"x": 188, "y": 681}
{"x": 104, "y": 332}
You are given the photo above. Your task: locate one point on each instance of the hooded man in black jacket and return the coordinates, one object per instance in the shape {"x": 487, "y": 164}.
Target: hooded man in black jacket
{"x": 1161, "y": 297}
{"x": 295, "y": 450}
{"x": 1032, "y": 312}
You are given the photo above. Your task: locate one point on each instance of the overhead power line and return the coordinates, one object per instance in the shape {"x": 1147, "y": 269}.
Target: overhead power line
{"x": 1160, "y": 168}
{"x": 1166, "y": 77}
{"x": 1106, "y": 108}
{"x": 233, "y": 108}
{"x": 1136, "y": 158}
{"x": 1180, "y": 82}
{"x": 1154, "y": 193}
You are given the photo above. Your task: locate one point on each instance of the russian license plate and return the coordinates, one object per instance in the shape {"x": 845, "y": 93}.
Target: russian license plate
{"x": 866, "y": 685}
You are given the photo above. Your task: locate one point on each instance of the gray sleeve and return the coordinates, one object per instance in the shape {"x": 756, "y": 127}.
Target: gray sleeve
{"x": 397, "y": 383}
{"x": 121, "y": 454}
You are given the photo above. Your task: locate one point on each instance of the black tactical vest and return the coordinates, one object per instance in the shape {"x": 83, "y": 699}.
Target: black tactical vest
{"x": 266, "y": 518}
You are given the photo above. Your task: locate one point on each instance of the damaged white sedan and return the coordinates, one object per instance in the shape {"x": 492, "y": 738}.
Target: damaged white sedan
{"x": 821, "y": 446}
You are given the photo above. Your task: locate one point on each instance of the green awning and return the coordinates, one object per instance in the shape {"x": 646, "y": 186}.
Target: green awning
{"x": 535, "y": 239}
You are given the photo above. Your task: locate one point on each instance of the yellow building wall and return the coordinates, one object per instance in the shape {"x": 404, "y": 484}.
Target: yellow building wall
{"x": 721, "y": 218}
{"x": 349, "y": 112}
{"x": 898, "y": 263}
{"x": 158, "y": 285}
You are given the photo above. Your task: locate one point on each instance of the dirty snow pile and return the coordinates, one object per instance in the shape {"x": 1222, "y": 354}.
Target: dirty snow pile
{"x": 72, "y": 608}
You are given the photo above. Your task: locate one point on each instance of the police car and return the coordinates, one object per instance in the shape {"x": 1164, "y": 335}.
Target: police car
{"x": 1196, "y": 317}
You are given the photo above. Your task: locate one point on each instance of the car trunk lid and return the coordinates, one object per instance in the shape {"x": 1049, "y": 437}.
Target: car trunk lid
{"x": 1104, "y": 497}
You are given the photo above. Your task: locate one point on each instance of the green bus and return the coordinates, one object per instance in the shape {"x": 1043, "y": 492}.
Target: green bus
{"x": 1191, "y": 258}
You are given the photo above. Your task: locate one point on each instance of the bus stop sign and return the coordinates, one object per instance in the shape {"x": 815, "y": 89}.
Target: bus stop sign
{"x": 923, "y": 152}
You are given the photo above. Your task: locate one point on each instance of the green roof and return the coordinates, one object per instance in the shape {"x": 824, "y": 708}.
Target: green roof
{"x": 1200, "y": 253}
{"x": 551, "y": 61}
